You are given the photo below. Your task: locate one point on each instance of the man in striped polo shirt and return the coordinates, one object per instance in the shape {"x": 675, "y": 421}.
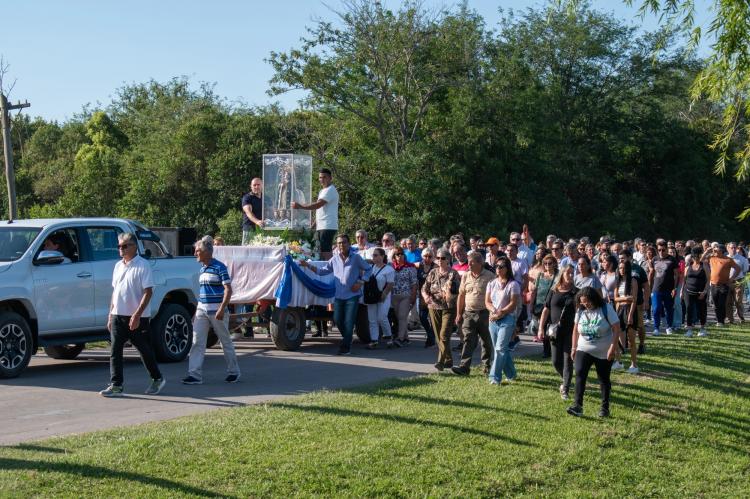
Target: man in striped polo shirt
{"x": 213, "y": 299}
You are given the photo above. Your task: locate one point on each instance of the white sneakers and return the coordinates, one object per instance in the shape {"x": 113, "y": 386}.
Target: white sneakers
{"x": 656, "y": 333}
{"x": 669, "y": 330}
{"x": 617, "y": 365}
{"x": 703, "y": 333}
{"x": 689, "y": 333}
{"x": 633, "y": 369}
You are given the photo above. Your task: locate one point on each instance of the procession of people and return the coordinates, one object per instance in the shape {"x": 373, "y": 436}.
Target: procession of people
{"x": 587, "y": 302}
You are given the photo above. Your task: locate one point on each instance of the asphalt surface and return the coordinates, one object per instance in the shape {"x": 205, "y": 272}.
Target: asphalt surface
{"x": 60, "y": 397}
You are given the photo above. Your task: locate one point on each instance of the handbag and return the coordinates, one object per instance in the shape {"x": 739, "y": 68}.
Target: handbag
{"x": 372, "y": 293}
{"x": 553, "y": 329}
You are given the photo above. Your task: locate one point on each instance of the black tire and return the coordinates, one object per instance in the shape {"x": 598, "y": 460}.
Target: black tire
{"x": 211, "y": 338}
{"x": 172, "y": 333}
{"x": 288, "y": 328}
{"x": 64, "y": 352}
{"x": 16, "y": 344}
{"x": 362, "y": 326}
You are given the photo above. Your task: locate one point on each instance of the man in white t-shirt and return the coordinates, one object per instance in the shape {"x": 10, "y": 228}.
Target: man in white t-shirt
{"x": 326, "y": 213}
{"x": 129, "y": 314}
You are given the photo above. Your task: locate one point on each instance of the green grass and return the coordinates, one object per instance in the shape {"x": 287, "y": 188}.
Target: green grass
{"x": 682, "y": 429}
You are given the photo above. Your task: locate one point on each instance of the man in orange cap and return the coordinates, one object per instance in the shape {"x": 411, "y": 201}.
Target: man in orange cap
{"x": 493, "y": 250}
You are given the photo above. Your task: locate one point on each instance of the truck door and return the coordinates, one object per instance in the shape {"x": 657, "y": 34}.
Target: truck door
{"x": 102, "y": 244}
{"x": 64, "y": 292}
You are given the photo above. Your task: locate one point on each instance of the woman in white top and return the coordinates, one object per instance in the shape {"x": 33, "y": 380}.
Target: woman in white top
{"x": 608, "y": 277}
{"x": 596, "y": 335}
{"x": 377, "y": 313}
{"x": 501, "y": 299}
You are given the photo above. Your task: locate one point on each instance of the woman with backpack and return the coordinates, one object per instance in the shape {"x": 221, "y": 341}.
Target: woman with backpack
{"x": 596, "y": 336}
{"x": 556, "y": 325}
{"x": 379, "y": 288}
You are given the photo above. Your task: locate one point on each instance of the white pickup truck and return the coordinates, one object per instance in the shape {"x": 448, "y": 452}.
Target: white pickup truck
{"x": 56, "y": 285}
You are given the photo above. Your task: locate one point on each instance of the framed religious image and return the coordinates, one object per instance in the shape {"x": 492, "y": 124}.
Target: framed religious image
{"x": 286, "y": 178}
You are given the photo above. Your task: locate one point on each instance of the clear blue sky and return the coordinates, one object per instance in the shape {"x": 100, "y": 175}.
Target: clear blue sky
{"x": 65, "y": 54}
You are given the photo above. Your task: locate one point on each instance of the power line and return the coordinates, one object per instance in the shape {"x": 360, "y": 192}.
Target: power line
{"x": 10, "y": 175}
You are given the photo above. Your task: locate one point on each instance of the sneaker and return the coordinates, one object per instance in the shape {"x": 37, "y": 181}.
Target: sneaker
{"x": 191, "y": 380}
{"x": 156, "y": 385}
{"x": 344, "y": 350}
{"x": 575, "y": 410}
{"x": 232, "y": 378}
{"x": 461, "y": 371}
{"x": 494, "y": 382}
{"x": 389, "y": 344}
{"x": 719, "y": 324}
{"x": 439, "y": 366}
{"x": 564, "y": 393}
{"x": 508, "y": 381}
{"x": 397, "y": 343}
{"x": 617, "y": 365}
{"x": 656, "y": 333}
{"x": 669, "y": 331}
{"x": 111, "y": 391}
{"x": 641, "y": 349}
{"x": 633, "y": 370}
{"x": 372, "y": 345}
{"x": 689, "y": 333}
{"x": 604, "y": 413}
{"x": 703, "y": 333}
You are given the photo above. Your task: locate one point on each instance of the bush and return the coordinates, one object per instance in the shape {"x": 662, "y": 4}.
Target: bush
{"x": 230, "y": 227}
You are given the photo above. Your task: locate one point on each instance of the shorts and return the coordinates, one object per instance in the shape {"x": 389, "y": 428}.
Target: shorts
{"x": 325, "y": 238}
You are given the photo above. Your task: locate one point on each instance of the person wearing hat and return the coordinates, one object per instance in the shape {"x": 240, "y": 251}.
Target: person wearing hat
{"x": 493, "y": 250}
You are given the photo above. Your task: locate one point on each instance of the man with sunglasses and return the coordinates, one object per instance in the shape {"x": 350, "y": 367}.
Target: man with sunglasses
{"x": 129, "y": 313}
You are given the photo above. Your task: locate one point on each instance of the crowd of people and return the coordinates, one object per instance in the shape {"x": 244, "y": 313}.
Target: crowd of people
{"x": 587, "y": 302}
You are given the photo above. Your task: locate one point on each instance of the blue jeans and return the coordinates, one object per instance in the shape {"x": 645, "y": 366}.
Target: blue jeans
{"x": 662, "y": 301}
{"x": 677, "y": 318}
{"x": 501, "y": 331}
{"x": 344, "y": 315}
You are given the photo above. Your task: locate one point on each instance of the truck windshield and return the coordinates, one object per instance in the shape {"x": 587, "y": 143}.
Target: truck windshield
{"x": 14, "y": 241}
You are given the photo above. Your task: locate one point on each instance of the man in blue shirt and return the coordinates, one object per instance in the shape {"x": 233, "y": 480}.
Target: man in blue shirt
{"x": 213, "y": 300}
{"x": 412, "y": 253}
{"x": 350, "y": 271}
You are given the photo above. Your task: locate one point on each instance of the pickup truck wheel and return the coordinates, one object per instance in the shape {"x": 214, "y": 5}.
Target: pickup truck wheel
{"x": 64, "y": 352}
{"x": 15, "y": 345}
{"x": 172, "y": 333}
{"x": 288, "y": 328}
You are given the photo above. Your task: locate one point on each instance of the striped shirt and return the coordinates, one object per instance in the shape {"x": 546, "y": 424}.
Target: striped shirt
{"x": 212, "y": 279}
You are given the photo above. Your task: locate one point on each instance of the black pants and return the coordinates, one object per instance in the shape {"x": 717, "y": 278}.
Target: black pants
{"x": 583, "y": 364}
{"x": 475, "y": 327}
{"x": 719, "y": 294}
{"x": 141, "y": 340}
{"x": 561, "y": 357}
{"x": 697, "y": 309}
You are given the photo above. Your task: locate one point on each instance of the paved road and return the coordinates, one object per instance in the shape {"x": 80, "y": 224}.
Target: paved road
{"x": 54, "y": 397}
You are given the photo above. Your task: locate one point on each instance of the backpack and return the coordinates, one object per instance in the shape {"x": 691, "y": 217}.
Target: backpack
{"x": 372, "y": 291}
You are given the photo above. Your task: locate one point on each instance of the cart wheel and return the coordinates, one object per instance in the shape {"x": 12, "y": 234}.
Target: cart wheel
{"x": 288, "y": 328}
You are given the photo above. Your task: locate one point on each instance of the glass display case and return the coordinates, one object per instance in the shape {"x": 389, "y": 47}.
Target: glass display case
{"x": 286, "y": 178}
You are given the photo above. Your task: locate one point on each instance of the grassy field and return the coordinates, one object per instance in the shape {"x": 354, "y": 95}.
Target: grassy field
{"x": 680, "y": 429}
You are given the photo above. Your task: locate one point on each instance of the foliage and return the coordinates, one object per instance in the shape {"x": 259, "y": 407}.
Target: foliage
{"x": 679, "y": 429}
{"x": 562, "y": 119}
{"x": 230, "y": 227}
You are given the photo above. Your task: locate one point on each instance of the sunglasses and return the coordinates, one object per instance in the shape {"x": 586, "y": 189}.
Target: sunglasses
{"x": 397, "y": 254}
{"x": 426, "y": 256}
{"x": 549, "y": 264}
{"x": 123, "y": 246}
{"x": 498, "y": 267}
{"x": 515, "y": 239}
{"x": 440, "y": 258}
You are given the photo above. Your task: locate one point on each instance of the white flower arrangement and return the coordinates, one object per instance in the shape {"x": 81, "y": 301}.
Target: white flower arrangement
{"x": 263, "y": 240}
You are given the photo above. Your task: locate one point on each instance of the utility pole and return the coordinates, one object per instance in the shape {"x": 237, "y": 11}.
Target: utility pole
{"x": 10, "y": 175}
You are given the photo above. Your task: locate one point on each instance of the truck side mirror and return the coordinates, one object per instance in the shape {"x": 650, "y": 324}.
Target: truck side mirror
{"x": 48, "y": 257}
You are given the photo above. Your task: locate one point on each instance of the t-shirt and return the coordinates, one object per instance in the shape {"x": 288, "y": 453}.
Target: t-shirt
{"x": 414, "y": 256}
{"x": 595, "y": 330}
{"x": 664, "y": 269}
{"x": 556, "y": 302}
{"x": 520, "y": 268}
{"x": 256, "y": 207}
{"x": 405, "y": 279}
{"x": 475, "y": 289}
{"x": 461, "y": 268}
{"x": 384, "y": 276}
{"x": 609, "y": 282}
{"x": 641, "y": 277}
{"x": 327, "y": 216}
{"x": 500, "y": 295}
{"x": 591, "y": 281}
{"x": 129, "y": 282}
{"x": 742, "y": 262}
{"x": 212, "y": 279}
